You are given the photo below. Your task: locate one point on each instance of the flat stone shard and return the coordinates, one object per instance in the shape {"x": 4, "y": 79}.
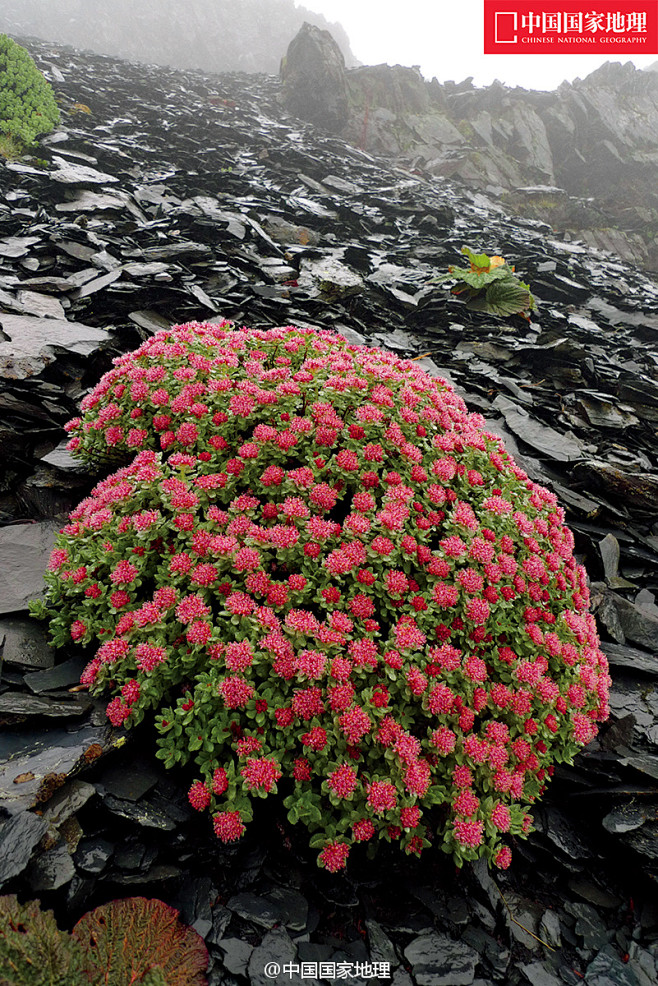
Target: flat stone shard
{"x": 437, "y": 960}
{"x": 25, "y": 644}
{"x": 31, "y": 344}
{"x": 79, "y": 174}
{"x": 51, "y": 869}
{"x": 562, "y": 447}
{"x": 18, "y": 837}
{"x": 30, "y": 761}
{"x": 25, "y": 550}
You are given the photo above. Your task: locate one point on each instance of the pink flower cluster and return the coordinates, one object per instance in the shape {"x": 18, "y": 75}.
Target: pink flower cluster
{"x": 321, "y": 569}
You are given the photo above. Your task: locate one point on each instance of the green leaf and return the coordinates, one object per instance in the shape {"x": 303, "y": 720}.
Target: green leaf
{"x": 508, "y": 297}
{"x": 477, "y": 259}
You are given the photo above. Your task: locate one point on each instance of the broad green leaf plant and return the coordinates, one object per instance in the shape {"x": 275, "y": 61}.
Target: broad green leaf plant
{"x": 490, "y": 285}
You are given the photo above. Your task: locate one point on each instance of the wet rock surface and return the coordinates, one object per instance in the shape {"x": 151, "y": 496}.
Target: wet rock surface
{"x": 306, "y": 230}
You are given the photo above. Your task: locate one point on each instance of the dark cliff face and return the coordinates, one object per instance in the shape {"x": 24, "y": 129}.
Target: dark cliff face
{"x": 582, "y": 158}
{"x": 214, "y": 35}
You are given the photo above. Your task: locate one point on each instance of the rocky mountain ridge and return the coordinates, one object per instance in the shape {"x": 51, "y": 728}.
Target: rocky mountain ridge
{"x": 214, "y": 35}
{"x": 582, "y": 158}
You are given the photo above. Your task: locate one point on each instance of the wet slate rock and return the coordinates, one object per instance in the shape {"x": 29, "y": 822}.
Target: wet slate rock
{"x": 20, "y": 704}
{"x": 638, "y": 488}
{"x": 236, "y": 955}
{"x": 258, "y": 909}
{"x": 437, "y": 960}
{"x": 556, "y": 445}
{"x": 68, "y": 800}
{"x": 51, "y": 869}
{"x": 589, "y": 926}
{"x": 93, "y": 855}
{"x": 380, "y": 945}
{"x": 25, "y": 550}
{"x": 61, "y": 676}
{"x": 607, "y": 969}
{"x": 31, "y": 344}
{"x": 329, "y": 278}
{"x": 537, "y": 974}
{"x": 30, "y": 760}
{"x": 550, "y": 930}
{"x": 637, "y": 625}
{"x": 142, "y": 814}
{"x": 626, "y": 818}
{"x": 18, "y": 837}
{"x": 128, "y": 782}
{"x": 78, "y": 174}
{"x": 25, "y": 644}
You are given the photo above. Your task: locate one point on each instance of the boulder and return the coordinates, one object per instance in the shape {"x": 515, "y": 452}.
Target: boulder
{"x": 313, "y": 76}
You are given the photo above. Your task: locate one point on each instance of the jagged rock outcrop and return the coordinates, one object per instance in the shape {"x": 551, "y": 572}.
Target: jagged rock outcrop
{"x": 214, "y": 35}
{"x": 594, "y": 140}
{"x": 314, "y": 81}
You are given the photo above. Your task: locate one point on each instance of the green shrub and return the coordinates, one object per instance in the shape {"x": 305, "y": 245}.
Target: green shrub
{"x": 27, "y": 101}
{"x": 333, "y": 575}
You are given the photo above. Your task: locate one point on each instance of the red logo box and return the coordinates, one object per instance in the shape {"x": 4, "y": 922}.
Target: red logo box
{"x": 552, "y": 27}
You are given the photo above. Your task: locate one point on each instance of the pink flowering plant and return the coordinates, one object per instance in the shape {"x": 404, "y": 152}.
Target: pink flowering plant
{"x": 321, "y": 573}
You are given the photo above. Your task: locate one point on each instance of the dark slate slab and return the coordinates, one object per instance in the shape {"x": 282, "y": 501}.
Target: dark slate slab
{"x": 145, "y": 815}
{"x": 51, "y": 869}
{"x": 437, "y": 960}
{"x": 93, "y": 855}
{"x": 607, "y": 969}
{"x": 275, "y": 950}
{"x": 30, "y": 759}
{"x": 18, "y": 837}
{"x": 276, "y": 906}
{"x": 624, "y": 656}
{"x": 30, "y": 344}
{"x": 21, "y": 704}
{"x": 25, "y": 550}
{"x": 59, "y": 677}
{"x": 537, "y": 974}
{"x": 79, "y": 174}
{"x": 26, "y": 644}
{"x": 129, "y": 782}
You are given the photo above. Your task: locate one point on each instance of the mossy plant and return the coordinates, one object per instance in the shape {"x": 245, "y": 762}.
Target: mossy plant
{"x": 131, "y": 941}
{"x": 27, "y": 102}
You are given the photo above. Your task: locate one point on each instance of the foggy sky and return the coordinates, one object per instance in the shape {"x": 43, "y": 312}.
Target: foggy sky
{"x": 446, "y": 40}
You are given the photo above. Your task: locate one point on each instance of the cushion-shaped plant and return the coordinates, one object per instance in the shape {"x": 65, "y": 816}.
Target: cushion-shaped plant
{"x": 333, "y": 576}
{"x": 27, "y": 101}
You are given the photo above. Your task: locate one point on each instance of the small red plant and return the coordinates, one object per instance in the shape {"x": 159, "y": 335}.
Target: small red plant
{"x": 331, "y": 576}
